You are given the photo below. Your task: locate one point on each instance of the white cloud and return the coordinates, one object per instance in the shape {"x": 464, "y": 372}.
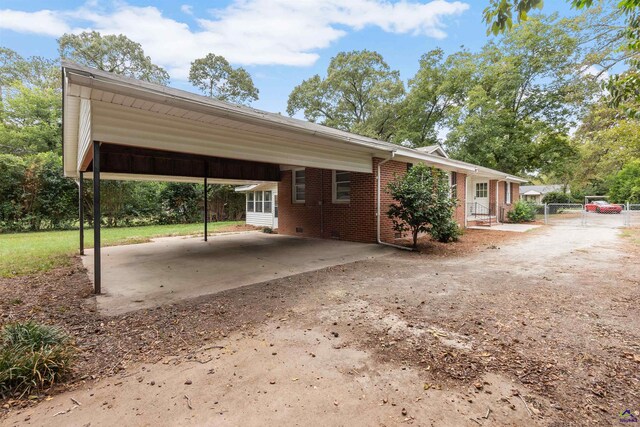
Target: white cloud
{"x": 247, "y": 32}
{"x": 187, "y": 8}
{"x": 47, "y": 22}
{"x": 599, "y": 73}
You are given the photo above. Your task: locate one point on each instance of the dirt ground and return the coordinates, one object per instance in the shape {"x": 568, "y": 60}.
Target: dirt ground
{"x": 537, "y": 328}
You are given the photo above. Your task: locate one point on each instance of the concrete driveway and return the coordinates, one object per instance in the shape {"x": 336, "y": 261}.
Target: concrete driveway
{"x": 169, "y": 269}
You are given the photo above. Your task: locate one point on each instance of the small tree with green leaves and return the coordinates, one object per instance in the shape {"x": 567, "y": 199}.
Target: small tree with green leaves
{"x": 423, "y": 204}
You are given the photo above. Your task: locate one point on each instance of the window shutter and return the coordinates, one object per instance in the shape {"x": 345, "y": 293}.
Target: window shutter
{"x": 505, "y": 191}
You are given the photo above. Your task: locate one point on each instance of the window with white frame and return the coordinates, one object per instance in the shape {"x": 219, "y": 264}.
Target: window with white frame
{"x": 298, "y": 185}
{"x": 482, "y": 189}
{"x": 267, "y": 201}
{"x": 507, "y": 192}
{"x": 258, "y": 201}
{"x": 250, "y": 202}
{"x": 341, "y": 187}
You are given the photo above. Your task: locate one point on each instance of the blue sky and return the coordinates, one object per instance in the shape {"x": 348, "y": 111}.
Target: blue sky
{"x": 280, "y": 42}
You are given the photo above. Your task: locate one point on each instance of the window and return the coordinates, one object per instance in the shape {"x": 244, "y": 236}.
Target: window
{"x": 298, "y": 185}
{"x": 454, "y": 185}
{"x": 258, "y": 201}
{"x": 507, "y": 193}
{"x": 341, "y": 186}
{"x": 267, "y": 201}
{"x": 250, "y": 202}
{"x": 482, "y": 189}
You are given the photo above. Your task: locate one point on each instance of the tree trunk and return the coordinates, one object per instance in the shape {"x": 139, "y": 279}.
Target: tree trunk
{"x": 415, "y": 238}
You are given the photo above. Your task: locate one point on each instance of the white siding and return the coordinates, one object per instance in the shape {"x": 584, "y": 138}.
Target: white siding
{"x": 130, "y": 126}
{"x": 260, "y": 219}
{"x": 84, "y": 131}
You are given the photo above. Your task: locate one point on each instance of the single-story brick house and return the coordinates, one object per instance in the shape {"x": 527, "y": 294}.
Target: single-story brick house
{"x": 330, "y": 183}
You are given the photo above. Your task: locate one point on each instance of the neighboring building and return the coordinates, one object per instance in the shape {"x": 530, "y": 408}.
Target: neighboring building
{"x": 261, "y": 203}
{"x": 535, "y": 193}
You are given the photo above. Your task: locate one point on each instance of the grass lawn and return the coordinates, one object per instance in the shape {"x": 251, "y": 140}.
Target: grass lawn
{"x": 25, "y": 253}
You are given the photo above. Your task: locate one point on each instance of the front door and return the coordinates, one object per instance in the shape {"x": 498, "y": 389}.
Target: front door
{"x": 481, "y": 198}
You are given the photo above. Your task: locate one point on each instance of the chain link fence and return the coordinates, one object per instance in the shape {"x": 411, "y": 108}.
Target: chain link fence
{"x": 592, "y": 214}
{"x": 564, "y": 214}
{"x": 633, "y": 215}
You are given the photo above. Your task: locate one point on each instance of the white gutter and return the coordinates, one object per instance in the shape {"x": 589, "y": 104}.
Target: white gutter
{"x": 393, "y": 154}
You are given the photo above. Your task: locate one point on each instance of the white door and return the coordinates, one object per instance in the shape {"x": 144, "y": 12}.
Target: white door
{"x": 481, "y": 198}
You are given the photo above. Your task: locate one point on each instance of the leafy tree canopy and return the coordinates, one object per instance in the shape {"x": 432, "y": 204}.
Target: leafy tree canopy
{"x": 115, "y": 54}
{"x": 438, "y": 89}
{"x": 622, "y": 88}
{"x": 525, "y": 89}
{"x": 359, "y": 94}
{"x": 216, "y": 78}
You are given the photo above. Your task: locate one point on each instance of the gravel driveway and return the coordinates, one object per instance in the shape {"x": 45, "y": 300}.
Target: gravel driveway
{"x": 542, "y": 329}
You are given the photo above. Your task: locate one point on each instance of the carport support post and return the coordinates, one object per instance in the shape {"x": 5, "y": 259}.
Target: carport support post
{"x": 97, "y": 276}
{"x": 206, "y": 209}
{"x": 81, "y": 211}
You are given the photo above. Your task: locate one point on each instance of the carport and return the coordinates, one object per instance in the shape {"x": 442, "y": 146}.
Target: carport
{"x": 120, "y": 128}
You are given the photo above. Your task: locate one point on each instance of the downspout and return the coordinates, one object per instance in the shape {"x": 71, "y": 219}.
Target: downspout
{"x": 393, "y": 154}
{"x": 466, "y": 205}
{"x": 498, "y": 201}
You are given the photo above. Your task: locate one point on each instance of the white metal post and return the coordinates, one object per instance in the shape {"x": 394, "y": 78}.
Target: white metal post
{"x": 546, "y": 213}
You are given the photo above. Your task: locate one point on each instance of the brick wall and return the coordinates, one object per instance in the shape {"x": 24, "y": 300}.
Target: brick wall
{"x": 504, "y": 207}
{"x": 388, "y": 172}
{"x": 355, "y": 221}
{"x": 461, "y": 186}
{"x": 318, "y": 216}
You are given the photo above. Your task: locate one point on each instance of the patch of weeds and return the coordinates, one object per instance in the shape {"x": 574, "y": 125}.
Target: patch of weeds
{"x": 15, "y": 301}
{"x": 267, "y": 230}
{"x": 32, "y": 357}
{"x": 632, "y": 234}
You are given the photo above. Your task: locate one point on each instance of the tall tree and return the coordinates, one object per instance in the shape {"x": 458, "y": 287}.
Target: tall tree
{"x": 439, "y": 87}
{"x": 115, "y": 54}
{"x": 216, "y": 78}
{"x": 30, "y": 104}
{"x": 359, "y": 94}
{"x": 526, "y": 87}
{"x": 622, "y": 88}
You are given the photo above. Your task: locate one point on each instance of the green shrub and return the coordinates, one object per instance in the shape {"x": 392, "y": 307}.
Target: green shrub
{"x": 267, "y": 230}
{"x": 446, "y": 232}
{"x": 32, "y": 357}
{"x": 422, "y": 203}
{"x": 556, "y": 197}
{"x": 522, "y": 212}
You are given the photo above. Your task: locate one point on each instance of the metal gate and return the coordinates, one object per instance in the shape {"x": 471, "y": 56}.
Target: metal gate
{"x": 592, "y": 215}
{"x": 633, "y": 215}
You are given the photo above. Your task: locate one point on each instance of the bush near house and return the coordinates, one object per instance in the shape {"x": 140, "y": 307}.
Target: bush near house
{"x": 32, "y": 357}
{"x": 522, "y": 212}
{"x": 423, "y": 204}
{"x": 557, "y": 197}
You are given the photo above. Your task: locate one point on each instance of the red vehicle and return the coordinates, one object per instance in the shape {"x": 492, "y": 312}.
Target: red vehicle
{"x": 600, "y": 206}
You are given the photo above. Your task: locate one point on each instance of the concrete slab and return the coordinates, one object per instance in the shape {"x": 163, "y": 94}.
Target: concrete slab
{"x": 517, "y": 228}
{"x": 173, "y": 268}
